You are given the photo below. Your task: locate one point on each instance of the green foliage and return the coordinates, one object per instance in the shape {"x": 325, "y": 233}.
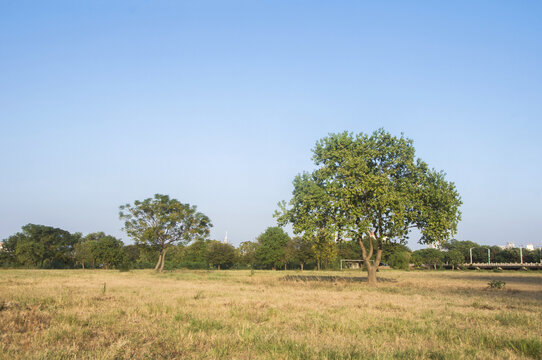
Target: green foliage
{"x": 195, "y": 256}
{"x": 464, "y": 248}
{"x": 220, "y": 255}
{"x": 428, "y": 257}
{"x": 348, "y": 249}
{"x": 125, "y": 266}
{"x": 323, "y": 246}
{"x": 390, "y": 248}
{"x": 40, "y": 246}
{"x": 272, "y": 248}
{"x": 400, "y": 260}
{"x": 83, "y": 253}
{"x": 496, "y": 284}
{"x": 371, "y": 184}
{"x": 161, "y": 222}
{"x": 301, "y": 251}
{"x": 107, "y": 251}
{"x": 132, "y": 254}
{"x": 454, "y": 258}
{"x": 247, "y": 253}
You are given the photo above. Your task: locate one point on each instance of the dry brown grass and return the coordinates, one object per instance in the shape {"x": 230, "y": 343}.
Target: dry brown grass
{"x": 53, "y": 314}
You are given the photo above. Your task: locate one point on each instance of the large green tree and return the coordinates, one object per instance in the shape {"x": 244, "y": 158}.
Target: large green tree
{"x": 372, "y": 189}
{"x": 41, "y": 246}
{"x": 161, "y": 222}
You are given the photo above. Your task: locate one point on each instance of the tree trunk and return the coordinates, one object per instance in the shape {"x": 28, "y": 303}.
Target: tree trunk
{"x": 435, "y": 266}
{"x": 301, "y": 266}
{"x": 163, "y": 259}
{"x": 218, "y": 267}
{"x": 371, "y": 274}
{"x": 285, "y": 267}
{"x": 318, "y": 264}
{"x": 159, "y": 262}
{"x": 83, "y": 264}
{"x": 371, "y": 268}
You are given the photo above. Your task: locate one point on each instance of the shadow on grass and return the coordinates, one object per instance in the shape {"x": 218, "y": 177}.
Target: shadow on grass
{"x": 329, "y": 278}
{"x": 509, "y": 278}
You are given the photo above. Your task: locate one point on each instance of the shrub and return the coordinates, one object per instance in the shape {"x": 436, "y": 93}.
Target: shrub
{"x": 496, "y": 284}
{"x": 400, "y": 260}
{"x": 125, "y": 266}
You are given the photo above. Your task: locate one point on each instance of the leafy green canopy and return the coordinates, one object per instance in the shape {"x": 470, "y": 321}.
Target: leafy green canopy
{"x": 221, "y": 255}
{"x": 40, "y": 246}
{"x": 271, "y": 251}
{"x": 372, "y": 184}
{"x": 161, "y": 221}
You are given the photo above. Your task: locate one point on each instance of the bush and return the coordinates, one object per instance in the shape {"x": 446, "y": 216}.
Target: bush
{"x": 496, "y": 284}
{"x": 125, "y": 267}
{"x": 400, "y": 260}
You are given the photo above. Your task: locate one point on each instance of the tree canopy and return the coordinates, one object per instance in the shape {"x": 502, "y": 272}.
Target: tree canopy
{"x": 221, "y": 255}
{"x": 161, "y": 222}
{"x": 40, "y": 246}
{"x": 272, "y": 247}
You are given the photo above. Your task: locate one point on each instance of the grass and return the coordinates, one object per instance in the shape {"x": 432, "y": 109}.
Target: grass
{"x": 98, "y": 314}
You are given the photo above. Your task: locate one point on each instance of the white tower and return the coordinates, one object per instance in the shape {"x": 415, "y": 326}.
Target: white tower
{"x": 226, "y": 238}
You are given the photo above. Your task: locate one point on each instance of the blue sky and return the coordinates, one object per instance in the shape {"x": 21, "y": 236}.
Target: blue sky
{"x": 219, "y": 104}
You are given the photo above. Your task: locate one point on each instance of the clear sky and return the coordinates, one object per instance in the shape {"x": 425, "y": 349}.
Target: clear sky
{"x": 219, "y": 103}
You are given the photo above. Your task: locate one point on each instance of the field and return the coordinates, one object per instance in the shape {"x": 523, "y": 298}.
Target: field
{"x": 98, "y": 314}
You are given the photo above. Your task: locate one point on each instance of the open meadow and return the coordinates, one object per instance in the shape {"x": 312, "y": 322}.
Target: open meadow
{"x": 98, "y": 314}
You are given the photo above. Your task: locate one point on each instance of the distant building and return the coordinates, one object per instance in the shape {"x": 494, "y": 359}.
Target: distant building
{"x": 435, "y": 246}
{"x": 226, "y": 238}
{"x": 510, "y": 245}
{"x": 529, "y": 247}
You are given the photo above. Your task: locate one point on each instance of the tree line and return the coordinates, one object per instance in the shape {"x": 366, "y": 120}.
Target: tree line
{"x": 365, "y": 195}
{"x": 46, "y": 247}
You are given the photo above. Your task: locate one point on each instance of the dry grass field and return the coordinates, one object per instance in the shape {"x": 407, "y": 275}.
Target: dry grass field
{"x": 95, "y": 314}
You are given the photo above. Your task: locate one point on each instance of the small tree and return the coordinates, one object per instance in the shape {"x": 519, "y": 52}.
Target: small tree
{"x": 162, "y": 222}
{"x": 428, "y": 257}
{"x": 324, "y": 248}
{"x": 272, "y": 247}
{"x": 454, "y": 258}
{"x": 220, "y": 255}
{"x": 247, "y": 253}
{"x": 400, "y": 260}
{"x": 302, "y": 251}
{"x": 106, "y": 250}
{"x": 83, "y": 252}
